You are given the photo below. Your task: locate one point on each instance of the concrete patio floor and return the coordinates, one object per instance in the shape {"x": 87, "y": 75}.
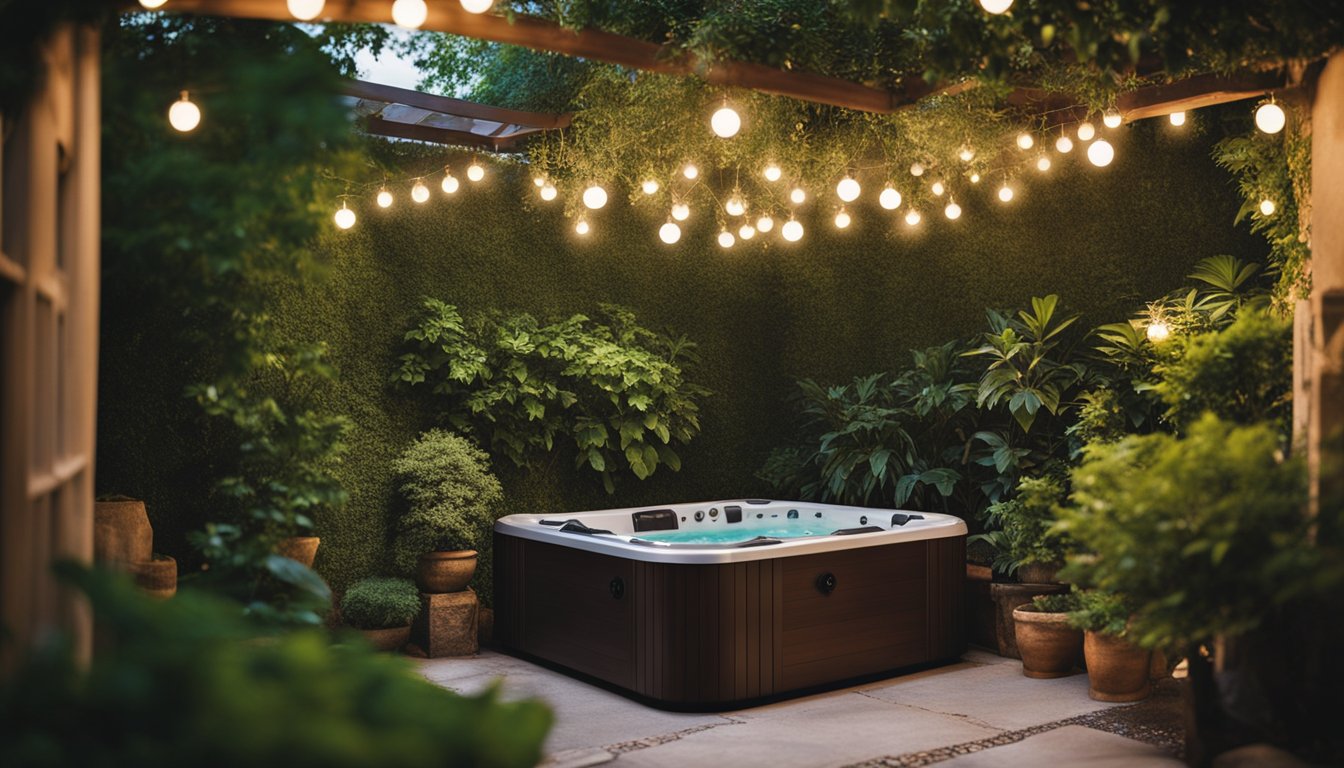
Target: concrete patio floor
{"x": 979, "y": 712}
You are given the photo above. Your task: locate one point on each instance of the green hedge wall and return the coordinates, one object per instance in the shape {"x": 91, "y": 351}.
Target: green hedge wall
{"x": 835, "y": 305}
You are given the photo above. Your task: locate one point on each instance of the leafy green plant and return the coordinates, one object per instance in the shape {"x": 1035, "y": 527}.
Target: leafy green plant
{"x": 184, "y": 682}
{"x": 615, "y": 392}
{"x": 1064, "y": 602}
{"x": 450, "y": 494}
{"x": 1096, "y": 610}
{"x": 380, "y": 603}
{"x": 1021, "y": 527}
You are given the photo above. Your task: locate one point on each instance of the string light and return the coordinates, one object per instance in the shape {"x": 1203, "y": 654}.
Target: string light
{"x": 848, "y": 189}
{"x": 772, "y": 172}
{"x": 419, "y": 192}
{"x": 746, "y": 232}
{"x": 184, "y": 116}
{"x": 303, "y": 10}
{"x": 937, "y": 188}
{"x": 152, "y": 4}
{"x": 975, "y": 178}
{"x": 345, "y": 218}
{"x": 1042, "y": 163}
{"x": 649, "y": 186}
{"x": 792, "y": 230}
{"x": 475, "y": 172}
{"x": 890, "y": 198}
{"x": 912, "y": 217}
{"x": 477, "y": 6}
{"x": 1112, "y": 118}
{"x": 1064, "y": 144}
{"x": 539, "y": 181}
{"x": 409, "y": 13}
{"x": 996, "y": 7}
{"x": 797, "y": 196}
{"x": 548, "y": 192}
{"x": 916, "y": 169}
{"x": 842, "y": 219}
{"x": 594, "y": 197}
{"x": 952, "y": 211}
{"x": 581, "y": 226}
{"x": 1158, "y": 331}
{"x": 384, "y": 198}
{"x": 669, "y": 233}
{"x": 450, "y": 183}
{"x": 1177, "y": 118}
{"x": 681, "y": 211}
{"x": 1100, "y": 153}
{"x": 765, "y": 224}
{"x": 725, "y": 122}
{"x": 1025, "y": 141}
{"x": 735, "y": 205}
{"x": 690, "y": 171}
{"x": 726, "y": 239}
{"x": 1086, "y": 131}
{"x": 967, "y": 154}
{"x": 1270, "y": 117}
{"x": 1267, "y": 207}
{"x": 1005, "y": 193}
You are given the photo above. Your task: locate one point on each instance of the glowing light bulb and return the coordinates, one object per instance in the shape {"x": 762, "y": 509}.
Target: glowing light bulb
{"x": 890, "y": 198}
{"x": 1177, "y": 118}
{"x": 538, "y": 181}
{"x": 1112, "y": 118}
{"x": 735, "y": 206}
{"x": 912, "y": 217}
{"x": 594, "y": 197}
{"x": 1158, "y": 331}
{"x": 1270, "y": 117}
{"x": 681, "y": 211}
{"x": 690, "y": 171}
{"x": 937, "y": 188}
{"x": 384, "y": 199}
{"x": 1267, "y": 207}
{"x": 1042, "y": 163}
{"x": 746, "y": 231}
{"x": 952, "y": 211}
{"x": 419, "y": 192}
{"x": 996, "y": 7}
{"x": 975, "y": 178}
{"x": 967, "y": 154}
{"x": 726, "y": 239}
{"x": 669, "y": 233}
{"x": 1025, "y": 140}
{"x": 548, "y": 192}
{"x": 152, "y": 4}
{"x": 1064, "y": 144}
{"x": 410, "y": 13}
{"x": 477, "y": 6}
{"x": 1086, "y": 131}
{"x": 475, "y": 172}
{"x": 916, "y": 169}
{"x": 1100, "y": 153}
{"x": 649, "y": 187}
{"x": 450, "y": 183}
{"x": 304, "y": 10}
{"x": 797, "y": 196}
{"x": 725, "y": 122}
{"x": 345, "y": 218}
{"x": 581, "y": 227}
{"x": 1005, "y": 194}
{"x": 847, "y": 190}
{"x": 184, "y": 115}
{"x": 792, "y": 230}
{"x": 772, "y": 172}
{"x": 842, "y": 219}
{"x": 765, "y": 224}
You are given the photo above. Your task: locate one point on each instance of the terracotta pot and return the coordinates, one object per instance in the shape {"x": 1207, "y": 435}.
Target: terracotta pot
{"x": 1048, "y": 645}
{"x": 157, "y": 576}
{"x": 389, "y": 639}
{"x": 1117, "y": 670}
{"x": 1007, "y": 598}
{"x": 1039, "y": 573}
{"x": 447, "y": 571}
{"x": 302, "y": 549}
{"x": 122, "y": 534}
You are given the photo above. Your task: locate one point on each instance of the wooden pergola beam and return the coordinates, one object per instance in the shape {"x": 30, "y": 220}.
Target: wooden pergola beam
{"x": 1195, "y": 92}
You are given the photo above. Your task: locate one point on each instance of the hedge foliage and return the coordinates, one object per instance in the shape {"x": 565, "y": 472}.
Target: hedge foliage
{"x": 380, "y": 603}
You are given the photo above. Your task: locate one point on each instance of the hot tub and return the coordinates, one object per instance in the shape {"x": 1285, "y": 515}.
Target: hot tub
{"x": 727, "y": 603}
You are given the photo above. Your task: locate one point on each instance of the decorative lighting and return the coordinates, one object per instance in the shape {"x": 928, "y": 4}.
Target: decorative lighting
{"x": 938, "y": 188}
{"x": 735, "y": 205}
{"x": 548, "y": 192}
{"x": 690, "y": 171}
{"x": 1101, "y": 153}
{"x": 1270, "y": 117}
{"x": 184, "y": 115}
{"x": 410, "y": 13}
{"x": 303, "y": 10}
{"x": 384, "y": 198}
{"x": 1158, "y": 331}
{"x": 772, "y": 172}
{"x": 1267, "y": 207}
{"x": 594, "y": 197}
{"x": 419, "y": 192}
{"x": 912, "y": 217}
{"x": 890, "y": 198}
{"x": 848, "y": 189}
{"x": 450, "y": 183}
{"x": 1086, "y": 131}
{"x": 681, "y": 211}
{"x": 649, "y": 186}
{"x": 797, "y": 196}
{"x": 1042, "y": 163}
{"x": 1064, "y": 144}
{"x": 725, "y": 122}
{"x": 1005, "y": 193}
{"x": 765, "y": 224}
{"x": 475, "y": 172}
{"x": 1177, "y": 118}
{"x": 996, "y": 7}
{"x": 152, "y": 4}
{"x": 669, "y": 233}
{"x": 1025, "y": 140}
{"x": 952, "y": 211}
{"x": 842, "y": 219}
{"x": 967, "y": 154}
{"x": 477, "y": 6}
{"x": 1112, "y": 118}
{"x": 581, "y": 226}
{"x": 975, "y": 178}
{"x": 538, "y": 181}
{"x": 792, "y": 230}
{"x": 916, "y": 169}
{"x": 746, "y": 232}
{"x": 726, "y": 239}
{"x": 345, "y": 218}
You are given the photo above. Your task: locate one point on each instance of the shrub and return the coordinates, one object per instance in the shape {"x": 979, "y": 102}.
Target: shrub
{"x": 1097, "y": 611}
{"x": 1023, "y": 526}
{"x": 450, "y": 493}
{"x": 1066, "y": 602}
{"x": 1242, "y": 373}
{"x": 380, "y": 603}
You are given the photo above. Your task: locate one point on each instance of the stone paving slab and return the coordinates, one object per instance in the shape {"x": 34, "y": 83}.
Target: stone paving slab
{"x": 1072, "y": 745}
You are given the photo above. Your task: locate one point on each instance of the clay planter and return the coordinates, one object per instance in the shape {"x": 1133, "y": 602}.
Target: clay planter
{"x": 1007, "y": 598}
{"x": 157, "y": 576}
{"x": 1117, "y": 670}
{"x": 1048, "y": 645}
{"x": 122, "y": 534}
{"x": 447, "y": 571}
{"x": 302, "y": 549}
{"x": 390, "y": 639}
{"x": 1038, "y": 573}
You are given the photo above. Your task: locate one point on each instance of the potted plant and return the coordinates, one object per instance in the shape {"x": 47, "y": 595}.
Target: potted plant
{"x": 451, "y": 498}
{"x": 1049, "y": 644}
{"x": 156, "y": 576}
{"x": 1117, "y": 668}
{"x": 382, "y": 609}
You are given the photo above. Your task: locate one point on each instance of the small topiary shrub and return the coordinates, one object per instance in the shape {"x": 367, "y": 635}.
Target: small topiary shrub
{"x": 450, "y": 494}
{"x": 380, "y": 603}
{"x": 1062, "y": 603}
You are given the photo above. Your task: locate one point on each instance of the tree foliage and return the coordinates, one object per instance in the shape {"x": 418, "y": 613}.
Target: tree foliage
{"x": 451, "y": 497}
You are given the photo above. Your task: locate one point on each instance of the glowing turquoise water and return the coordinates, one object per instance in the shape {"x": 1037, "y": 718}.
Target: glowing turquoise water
{"x": 734, "y": 534}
